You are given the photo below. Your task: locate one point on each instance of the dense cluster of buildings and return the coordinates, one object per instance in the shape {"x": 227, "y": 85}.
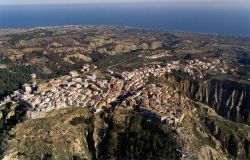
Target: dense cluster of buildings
{"x": 200, "y": 68}
{"x": 127, "y": 89}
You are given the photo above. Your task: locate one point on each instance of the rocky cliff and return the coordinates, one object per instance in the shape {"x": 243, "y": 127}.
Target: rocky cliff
{"x": 230, "y": 99}
{"x": 213, "y": 137}
{"x": 78, "y": 133}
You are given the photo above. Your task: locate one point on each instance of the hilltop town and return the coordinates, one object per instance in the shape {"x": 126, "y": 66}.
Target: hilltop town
{"x": 99, "y": 92}
{"x": 129, "y": 89}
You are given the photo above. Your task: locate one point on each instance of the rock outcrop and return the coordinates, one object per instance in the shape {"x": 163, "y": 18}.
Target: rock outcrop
{"x": 230, "y": 99}
{"x": 213, "y": 137}
{"x": 78, "y": 133}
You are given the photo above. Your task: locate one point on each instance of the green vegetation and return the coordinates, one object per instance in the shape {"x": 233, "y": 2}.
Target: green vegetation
{"x": 12, "y": 114}
{"x": 18, "y": 37}
{"x": 11, "y": 78}
{"x": 79, "y": 133}
{"x": 78, "y": 128}
{"x": 29, "y": 35}
{"x": 13, "y": 75}
{"x": 120, "y": 62}
{"x": 60, "y": 72}
{"x": 230, "y": 135}
{"x": 4, "y": 60}
{"x": 141, "y": 139}
{"x": 155, "y": 80}
{"x": 143, "y": 142}
{"x": 233, "y": 137}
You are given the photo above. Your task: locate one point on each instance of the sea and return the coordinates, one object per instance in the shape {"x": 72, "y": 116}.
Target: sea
{"x": 216, "y": 20}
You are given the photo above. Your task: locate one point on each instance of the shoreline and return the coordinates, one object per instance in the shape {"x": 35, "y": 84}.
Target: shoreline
{"x": 120, "y": 26}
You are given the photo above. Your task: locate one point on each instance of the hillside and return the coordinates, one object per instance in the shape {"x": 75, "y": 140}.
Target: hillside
{"x": 105, "y": 92}
{"x": 79, "y": 134}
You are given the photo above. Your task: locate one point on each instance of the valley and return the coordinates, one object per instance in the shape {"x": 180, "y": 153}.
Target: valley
{"x": 85, "y": 92}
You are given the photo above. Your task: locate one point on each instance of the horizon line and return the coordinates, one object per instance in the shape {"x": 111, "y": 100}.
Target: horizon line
{"x": 199, "y": 5}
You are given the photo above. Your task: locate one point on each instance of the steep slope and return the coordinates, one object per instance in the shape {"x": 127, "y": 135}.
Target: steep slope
{"x": 208, "y": 136}
{"x": 230, "y": 99}
{"x": 77, "y": 133}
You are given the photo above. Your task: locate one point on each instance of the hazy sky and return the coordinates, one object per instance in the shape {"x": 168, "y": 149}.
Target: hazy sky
{"x": 219, "y": 2}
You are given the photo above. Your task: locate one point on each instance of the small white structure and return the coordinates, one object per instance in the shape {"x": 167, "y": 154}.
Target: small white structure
{"x": 73, "y": 73}
{"x": 27, "y": 88}
{"x": 33, "y": 76}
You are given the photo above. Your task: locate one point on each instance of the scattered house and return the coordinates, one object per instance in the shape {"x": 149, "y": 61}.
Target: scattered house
{"x": 73, "y": 73}
{"x": 27, "y": 88}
